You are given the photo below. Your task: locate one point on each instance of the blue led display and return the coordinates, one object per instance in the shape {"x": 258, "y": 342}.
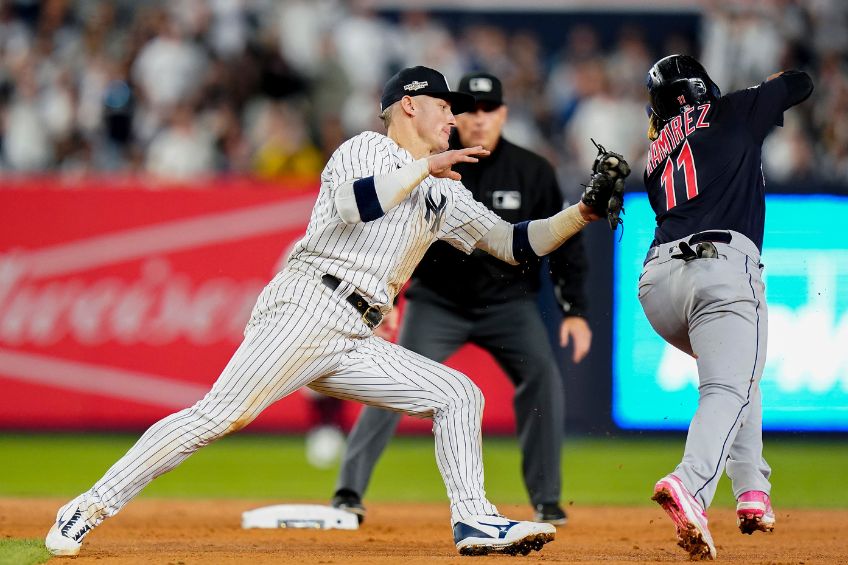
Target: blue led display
{"x": 805, "y": 383}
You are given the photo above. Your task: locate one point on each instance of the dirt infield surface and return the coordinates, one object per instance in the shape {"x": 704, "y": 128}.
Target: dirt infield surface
{"x": 209, "y": 532}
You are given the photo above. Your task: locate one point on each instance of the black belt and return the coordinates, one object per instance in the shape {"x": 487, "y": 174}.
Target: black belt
{"x": 700, "y": 237}
{"x": 714, "y": 236}
{"x": 371, "y": 315}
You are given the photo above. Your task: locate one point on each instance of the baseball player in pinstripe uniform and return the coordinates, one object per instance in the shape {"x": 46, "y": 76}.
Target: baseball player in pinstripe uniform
{"x": 383, "y": 201}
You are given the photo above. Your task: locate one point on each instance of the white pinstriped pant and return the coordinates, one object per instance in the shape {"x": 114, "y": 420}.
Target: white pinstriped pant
{"x": 302, "y": 333}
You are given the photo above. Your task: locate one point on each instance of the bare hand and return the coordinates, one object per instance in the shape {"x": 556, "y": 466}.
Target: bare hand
{"x": 588, "y": 214}
{"x": 441, "y": 163}
{"x": 575, "y": 330}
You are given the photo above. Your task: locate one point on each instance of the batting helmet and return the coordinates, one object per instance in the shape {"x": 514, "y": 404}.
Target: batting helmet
{"x": 677, "y": 81}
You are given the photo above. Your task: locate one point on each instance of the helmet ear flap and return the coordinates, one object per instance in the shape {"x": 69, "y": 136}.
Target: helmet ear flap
{"x": 699, "y": 89}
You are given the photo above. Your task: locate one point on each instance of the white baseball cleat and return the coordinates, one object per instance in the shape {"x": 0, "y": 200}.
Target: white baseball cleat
{"x": 688, "y": 516}
{"x": 66, "y": 535}
{"x": 481, "y": 535}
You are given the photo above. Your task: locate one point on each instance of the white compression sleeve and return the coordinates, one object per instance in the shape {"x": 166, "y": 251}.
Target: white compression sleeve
{"x": 548, "y": 234}
{"x": 389, "y": 190}
{"x": 543, "y": 235}
{"x": 498, "y": 242}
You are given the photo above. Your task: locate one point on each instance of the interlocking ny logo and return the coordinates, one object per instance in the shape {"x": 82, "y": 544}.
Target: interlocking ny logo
{"x": 438, "y": 210}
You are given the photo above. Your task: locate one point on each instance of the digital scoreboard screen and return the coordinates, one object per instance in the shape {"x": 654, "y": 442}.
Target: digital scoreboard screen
{"x": 805, "y": 383}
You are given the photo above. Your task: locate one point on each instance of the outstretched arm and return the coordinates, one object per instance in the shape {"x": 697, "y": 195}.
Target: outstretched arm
{"x": 515, "y": 243}
{"x": 603, "y": 197}
{"x": 798, "y": 83}
{"x": 369, "y": 198}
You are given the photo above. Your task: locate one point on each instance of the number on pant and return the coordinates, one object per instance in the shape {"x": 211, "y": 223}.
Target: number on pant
{"x": 686, "y": 162}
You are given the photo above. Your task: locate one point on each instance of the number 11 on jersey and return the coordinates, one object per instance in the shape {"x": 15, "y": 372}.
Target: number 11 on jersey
{"x": 686, "y": 162}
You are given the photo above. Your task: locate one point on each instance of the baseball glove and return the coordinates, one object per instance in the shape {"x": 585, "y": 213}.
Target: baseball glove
{"x": 605, "y": 192}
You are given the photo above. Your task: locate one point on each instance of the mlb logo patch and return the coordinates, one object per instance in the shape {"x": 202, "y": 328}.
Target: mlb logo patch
{"x": 506, "y": 200}
{"x": 480, "y": 84}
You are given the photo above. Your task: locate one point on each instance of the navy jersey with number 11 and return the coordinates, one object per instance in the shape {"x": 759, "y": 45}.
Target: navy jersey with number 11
{"x": 704, "y": 171}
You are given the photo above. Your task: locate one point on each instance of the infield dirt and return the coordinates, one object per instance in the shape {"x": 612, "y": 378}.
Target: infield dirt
{"x": 178, "y": 532}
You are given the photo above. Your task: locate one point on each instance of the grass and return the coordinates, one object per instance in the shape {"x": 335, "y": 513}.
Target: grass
{"x": 22, "y": 552}
{"x": 596, "y": 471}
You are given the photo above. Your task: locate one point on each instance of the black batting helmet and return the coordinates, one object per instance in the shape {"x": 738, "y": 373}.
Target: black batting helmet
{"x": 677, "y": 81}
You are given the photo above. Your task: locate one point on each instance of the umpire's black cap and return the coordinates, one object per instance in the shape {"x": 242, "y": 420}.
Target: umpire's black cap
{"x": 486, "y": 88}
{"x": 415, "y": 81}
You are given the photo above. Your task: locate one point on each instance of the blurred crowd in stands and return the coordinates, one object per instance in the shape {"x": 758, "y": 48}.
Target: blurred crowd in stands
{"x": 187, "y": 88}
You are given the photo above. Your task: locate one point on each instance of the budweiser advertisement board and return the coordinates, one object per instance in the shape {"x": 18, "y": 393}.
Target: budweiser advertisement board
{"x": 119, "y": 306}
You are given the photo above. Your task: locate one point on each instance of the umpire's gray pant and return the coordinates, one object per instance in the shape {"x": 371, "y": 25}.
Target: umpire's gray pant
{"x": 515, "y": 336}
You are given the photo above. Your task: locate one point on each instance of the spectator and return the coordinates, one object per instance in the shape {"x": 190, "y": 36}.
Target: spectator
{"x": 283, "y": 148}
{"x": 182, "y": 150}
{"x": 26, "y": 143}
{"x": 604, "y": 117}
{"x": 302, "y": 28}
{"x": 225, "y": 57}
{"x": 168, "y": 71}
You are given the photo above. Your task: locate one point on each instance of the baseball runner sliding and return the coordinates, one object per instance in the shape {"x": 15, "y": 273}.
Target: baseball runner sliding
{"x": 383, "y": 201}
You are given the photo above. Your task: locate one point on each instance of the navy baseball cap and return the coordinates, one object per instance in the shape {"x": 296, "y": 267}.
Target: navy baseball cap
{"x": 415, "y": 81}
{"x": 486, "y": 88}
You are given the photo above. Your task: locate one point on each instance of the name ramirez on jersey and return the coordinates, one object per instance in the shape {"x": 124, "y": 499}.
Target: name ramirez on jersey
{"x": 674, "y": 132}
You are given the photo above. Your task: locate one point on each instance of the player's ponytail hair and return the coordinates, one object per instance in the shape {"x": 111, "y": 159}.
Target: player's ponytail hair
{"x": 654, "y": 127}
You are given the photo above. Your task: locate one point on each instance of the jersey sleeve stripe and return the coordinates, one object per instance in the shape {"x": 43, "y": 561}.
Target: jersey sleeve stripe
{"x": 521, "y": 249}
{"x": 367, "y": 200}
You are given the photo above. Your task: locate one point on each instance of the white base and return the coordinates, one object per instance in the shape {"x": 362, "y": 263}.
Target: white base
{"x": 312, "y": 516}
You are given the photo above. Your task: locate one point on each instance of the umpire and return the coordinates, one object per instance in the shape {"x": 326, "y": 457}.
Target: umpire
{"x": 455, "y": 299}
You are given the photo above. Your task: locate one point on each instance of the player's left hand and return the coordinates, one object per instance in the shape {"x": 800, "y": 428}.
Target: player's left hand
{"x": 575, "y": 330}
{"x": 441, "y": 163}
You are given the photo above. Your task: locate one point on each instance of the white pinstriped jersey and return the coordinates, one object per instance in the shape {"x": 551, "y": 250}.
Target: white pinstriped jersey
{"x": 378, "y": 257}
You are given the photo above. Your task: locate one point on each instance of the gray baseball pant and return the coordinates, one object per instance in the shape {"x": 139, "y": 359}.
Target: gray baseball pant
{"x": 714, "y": 309}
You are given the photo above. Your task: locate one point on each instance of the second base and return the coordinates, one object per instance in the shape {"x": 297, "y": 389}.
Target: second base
{"x": 312, "y": 516}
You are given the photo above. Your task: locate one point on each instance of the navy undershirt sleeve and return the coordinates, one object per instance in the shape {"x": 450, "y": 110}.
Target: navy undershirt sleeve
{"x": 366, "y": 199}
{"x": 799, "y": 84}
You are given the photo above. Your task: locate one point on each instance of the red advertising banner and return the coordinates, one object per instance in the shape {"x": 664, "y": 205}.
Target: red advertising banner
{"x": 119, "y": 306}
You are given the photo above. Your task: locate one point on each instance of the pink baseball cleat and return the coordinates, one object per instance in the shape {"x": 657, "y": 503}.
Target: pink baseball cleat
{"x": 754, "y": 512}
{"x": 688, "y": 516}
